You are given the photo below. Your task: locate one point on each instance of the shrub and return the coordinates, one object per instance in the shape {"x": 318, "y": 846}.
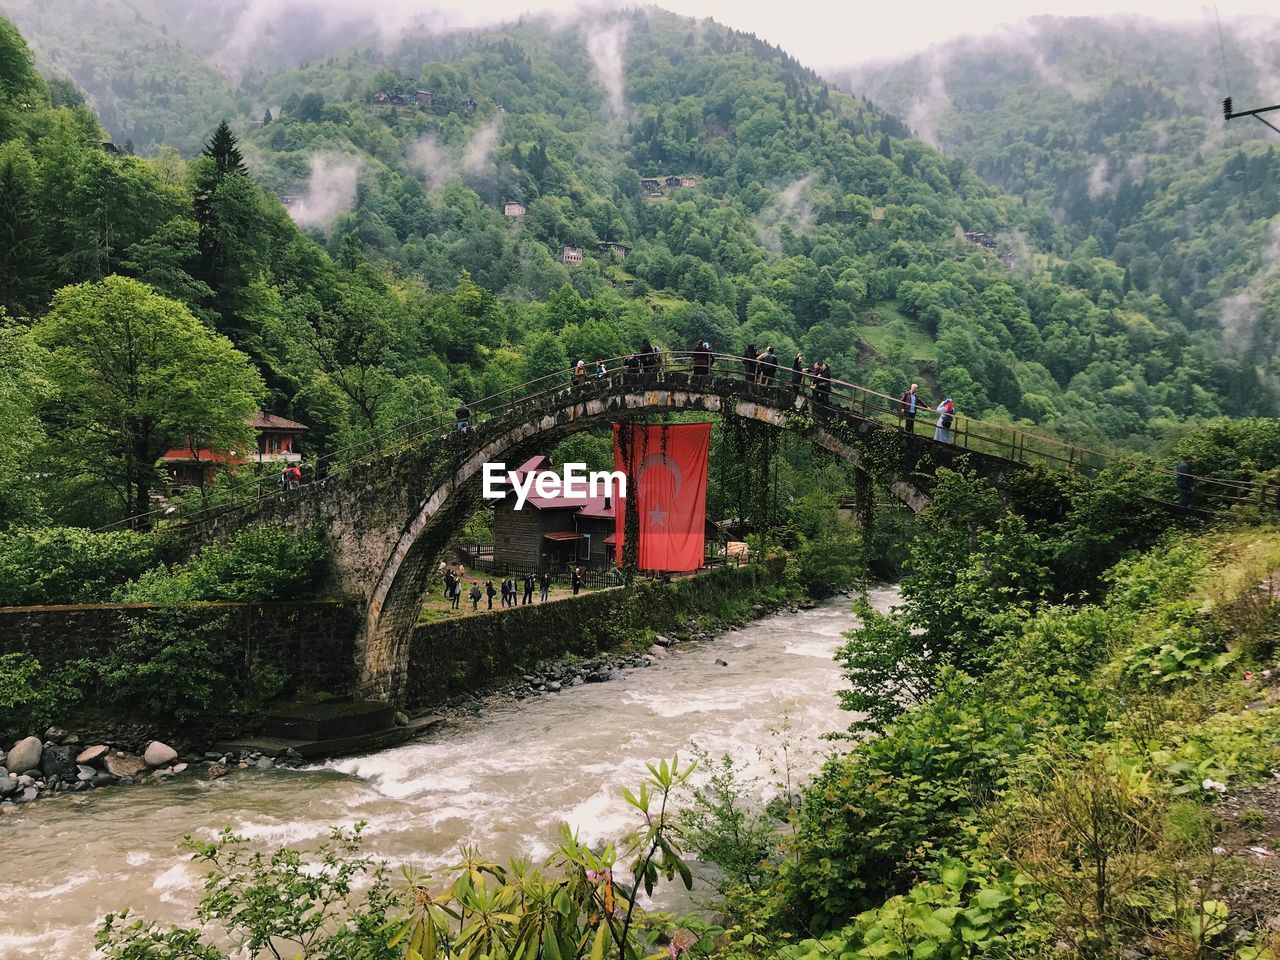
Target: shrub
{"x": 171, "y": 666}
{"x": 30, "y": 699}
{"x": 830, "y": 564}
{"x": 71, "y": 565}
{"x": 259, "y": 563}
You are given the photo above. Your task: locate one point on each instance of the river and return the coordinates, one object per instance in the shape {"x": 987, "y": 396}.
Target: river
{"x": 502, "y": 781}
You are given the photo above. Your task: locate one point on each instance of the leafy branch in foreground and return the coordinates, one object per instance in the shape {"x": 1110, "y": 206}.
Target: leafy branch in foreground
{"x": 332, "y": 902}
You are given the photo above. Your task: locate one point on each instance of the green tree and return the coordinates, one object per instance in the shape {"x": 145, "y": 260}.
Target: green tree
{"x": 135, "y": 374}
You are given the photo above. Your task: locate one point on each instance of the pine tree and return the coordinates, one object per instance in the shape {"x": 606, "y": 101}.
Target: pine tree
{"x": 266, "y": 117}
{"x": 886, "y": 148}
{"x": 224, "y": 152}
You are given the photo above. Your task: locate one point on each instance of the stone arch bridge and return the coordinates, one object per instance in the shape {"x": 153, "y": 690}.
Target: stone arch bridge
{"x": 389, "y": 517}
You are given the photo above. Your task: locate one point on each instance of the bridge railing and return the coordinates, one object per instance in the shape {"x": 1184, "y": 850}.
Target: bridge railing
{"x": 778, "y": 382}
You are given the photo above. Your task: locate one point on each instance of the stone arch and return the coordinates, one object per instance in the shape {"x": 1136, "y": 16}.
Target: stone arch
{"x": 395, "y": 597}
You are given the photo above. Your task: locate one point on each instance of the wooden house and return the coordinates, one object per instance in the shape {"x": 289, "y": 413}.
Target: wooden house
{"x": 650, "y": 184}
{"x": 381, "y": 98}
{"x": 673, "y": 183}
{"x": 557, "y": 533}
{"x": 277, "y": 439}
{"x": 513, "y": 208}
{"x": 423, "y": 98}
{"x": 571, "y": 256}
{"x": 688, "y": 181}
{"x": 618, "y": 250}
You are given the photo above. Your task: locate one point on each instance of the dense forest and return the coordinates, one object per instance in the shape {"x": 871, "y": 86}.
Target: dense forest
{"x": 813, "y": 222}
{"x": 1116, "y": 126}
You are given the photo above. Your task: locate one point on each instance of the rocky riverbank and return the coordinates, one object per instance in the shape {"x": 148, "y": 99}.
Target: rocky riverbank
{"x": 63, "y": 761}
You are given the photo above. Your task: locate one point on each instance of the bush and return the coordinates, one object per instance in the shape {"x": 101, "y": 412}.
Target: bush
{"x": 41, "y": 565}
{"x": 30, "y": 699}
{"x": 171, "y": 666}
{"x": 829, "y": 565}
{"x": 260, "y": 563}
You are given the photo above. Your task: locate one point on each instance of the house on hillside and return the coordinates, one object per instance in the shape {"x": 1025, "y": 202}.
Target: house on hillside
{"x": 651, "y": 185}
{"x": 618, "y": 250}
{"x": 513, "y": 208}
{"x": 467, "y": 106}
{"x": 290, "y": 200}
{"x": 276, "y": 442}
{"x": 556, "y": 533}
{"x": 381, "y": 97}
{"x": 571, "y": 256}
{"x": 673, "y": 183}
{"x": 423, "y": 98}
{"x": 688, "y": 181}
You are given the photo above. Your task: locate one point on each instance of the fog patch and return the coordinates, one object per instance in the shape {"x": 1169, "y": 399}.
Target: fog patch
{"x": 1240, "y": 314}
{"x": 330, "y": 190}
{"x": 436, "y": 163}
{"x": 927, "y": 109}
{"x": 605, "y": 45}
{"x": 791, "y": 207}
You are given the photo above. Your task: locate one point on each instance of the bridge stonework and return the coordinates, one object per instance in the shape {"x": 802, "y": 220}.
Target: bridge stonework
{"x": 389, "y": 519}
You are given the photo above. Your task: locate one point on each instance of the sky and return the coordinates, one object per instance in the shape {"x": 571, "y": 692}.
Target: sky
{"x": 824, "y": 33}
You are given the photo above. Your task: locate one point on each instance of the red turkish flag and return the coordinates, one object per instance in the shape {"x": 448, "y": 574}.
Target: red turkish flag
{"x": 666, "y": 469}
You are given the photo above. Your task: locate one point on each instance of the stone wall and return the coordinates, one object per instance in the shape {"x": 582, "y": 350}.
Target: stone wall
{"x": 472, "y": 653}
{"x": 311, "y": 643}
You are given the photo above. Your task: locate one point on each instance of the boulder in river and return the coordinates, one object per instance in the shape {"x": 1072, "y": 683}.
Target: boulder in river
{"x": 159, "y": 754}
{"x": 216, "y": 771}
{"x": 663, "y": 641}
{"x": 599, "y": 676}
{"x": 57, "y": 762}
{"x": 85, "y": 773}
{"x": 125, "y": 764}
{"x": 8, "y": 785}
{"x": 25, "y": 755}
{"x": 722, "y": 663}
{"x": 92, "y": 754}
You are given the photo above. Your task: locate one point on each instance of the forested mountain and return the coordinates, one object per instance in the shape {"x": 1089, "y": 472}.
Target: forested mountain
{"x": 1116, "y": 126}
{"x": 811, "y": 221}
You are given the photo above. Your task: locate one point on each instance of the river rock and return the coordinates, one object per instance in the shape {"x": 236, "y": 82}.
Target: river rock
{"x": 25, "y": 755}
{"x": 159, "y": 754}
{"x": 179, "y": 767}
{"x": 85, "y": 773}
{"x": 663, "y": 641}
{"x": 55, "y": 735}
{"x": 216, "y": 771}
{"x": 553, "y": 686}
{"x": 92, "y": 754}
{"x": 599, "y": 676}
{"x": 124, "y": 764}
{"x": 264, "y": 763}
{"x": 27, "y": 795}
{"x": 722, "y": 663}
{"x": 8, "y": 785}
{"x": 57, "y": 762}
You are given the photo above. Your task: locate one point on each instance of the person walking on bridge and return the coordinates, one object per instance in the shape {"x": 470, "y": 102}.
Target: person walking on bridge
{"x": 1186, "y": 482}
{"x": 797, "y": 372}
{"x": 701, "y": 358}
{"x": 946, "y": 417}
{"x": 463, "y": 413}
{"x": 910, "y": 404}
{"x": 767, "y": 365}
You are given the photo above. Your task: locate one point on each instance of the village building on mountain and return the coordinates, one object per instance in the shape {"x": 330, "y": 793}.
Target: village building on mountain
{"x": 617, "y": 250}
{"x": 571, "y": 256}
{"x": 654, "y": 186}
{"x": 513, "y": 208}
{"x": 277, "y": 439}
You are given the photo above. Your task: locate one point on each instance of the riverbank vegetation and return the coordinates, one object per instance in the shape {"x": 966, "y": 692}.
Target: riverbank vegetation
{"x": 1067, "y": 757}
